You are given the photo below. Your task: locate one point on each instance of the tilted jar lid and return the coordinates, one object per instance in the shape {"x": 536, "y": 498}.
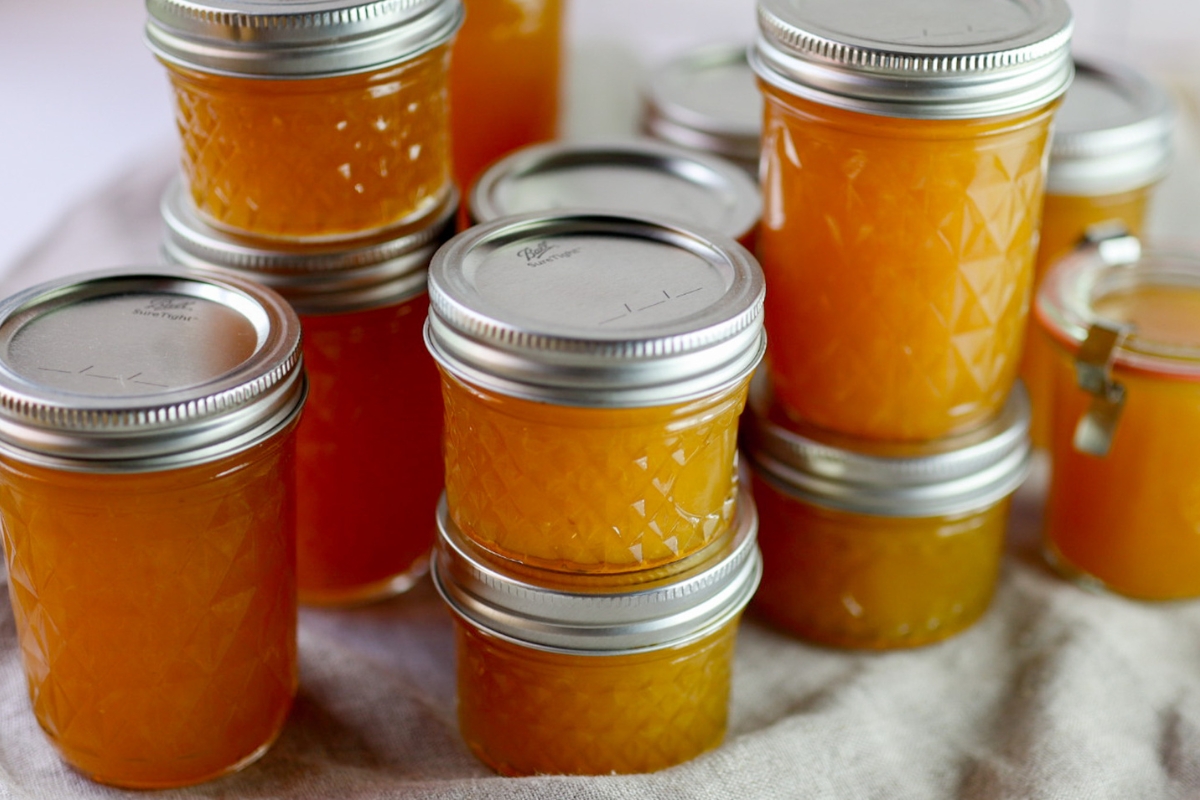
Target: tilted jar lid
{"x": 627, "y": 177}
{"x": 957, "y": 474}
{"x": 297, "y": 38}
{"x": 926, "y": 59}
{"x": 600, "y": 310}
{"x": 140, "y": 370}
{"x": 593, "y": 615}
{"x": 315, "y": 279}
{"x": 707, "y": 99}
{"x": 1112, "y": 133}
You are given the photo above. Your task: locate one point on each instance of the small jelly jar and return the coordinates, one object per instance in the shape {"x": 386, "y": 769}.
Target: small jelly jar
{"x": 147, "y": 493}
{"x": 310, "y": 121}
{"x": 1124, "y": 502}
{"x": 594, "y": 675}
{"x": 369, "y": 468}
{"x": 593, "y": 371}
{"x": 880, "y": 545}
{"x": 504, "y": 81}
{"x": 903, "y": 164}
{"x": 634, "y": 177}
{"x": 1111, "y": 146}
{"x": 707, "y": 99}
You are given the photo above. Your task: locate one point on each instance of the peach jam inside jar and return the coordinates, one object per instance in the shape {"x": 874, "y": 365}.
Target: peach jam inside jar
{"x": 880, "y": 545}
{"x": 632, "y": 176}
{"x": 147, "y": 493}
{"x": 596, "y": 674}
{"x": 903, "y": 164}
{"x": 1124, "y": 502}
{"x": 310, "y": 121}
{"x": 593, "y": 371}
{"x": 369, "y": 468}
{"x": 1111, "y": 146}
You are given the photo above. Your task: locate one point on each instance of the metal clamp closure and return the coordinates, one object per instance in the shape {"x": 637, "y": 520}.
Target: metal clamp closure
{"x": 1093, "y": 372}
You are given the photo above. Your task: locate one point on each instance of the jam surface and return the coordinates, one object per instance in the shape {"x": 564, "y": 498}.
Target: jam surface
{"x": 316, "y": 159}
{"x": 156, "y": 612}
{"x": 899, "y": 256}
{"x": 586, "y": 489}
{"x": 369, "y": 466}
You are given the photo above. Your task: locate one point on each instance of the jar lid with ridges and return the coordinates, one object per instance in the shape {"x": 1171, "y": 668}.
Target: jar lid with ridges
{"x": 957, "y": 474}
{"x": 142, "y": 370}
{"x": 315, "y": 279}
{"x": 925, "y": 59}
{"x": 707, "y": 99}
{"x": 588, "y": 309}
{"x": 1112, "y": 133}
{"x": 594, "y": 616}
{"x": 638, "y": 176}
{"x": 297, "y": 38}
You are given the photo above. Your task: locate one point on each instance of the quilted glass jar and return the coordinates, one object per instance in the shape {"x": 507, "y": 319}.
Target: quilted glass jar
{"x": 147, "y": 465}
{"x": 593, "y": 370}
{"x": 1124, "y": 502}
{"x": 369, "y": 465}
{"x": 903, "y": 165}
{"x": 594, "y": 675}
{"x": 881, "y": 545}
{"x": 310, "y": 121}
{"x": 1112, "y": 144}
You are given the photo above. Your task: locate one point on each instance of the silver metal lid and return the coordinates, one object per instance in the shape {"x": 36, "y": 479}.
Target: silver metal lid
{"x": 594, "y": 615}
{"x": 707, "y": 99}
{"x": 957, "y": 474}
{"x": 138, "y": 370}
{"x": 638, "y": 176}
{"x": 1112, "y": 133}
{"x": 929, "y": 59}
{"x": 315, "y": 279}
{"x": 595, "y": 310}
{"x": 297, "y": 38}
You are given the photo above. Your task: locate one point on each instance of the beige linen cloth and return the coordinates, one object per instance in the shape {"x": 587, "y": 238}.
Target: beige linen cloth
{"x": 1056, "y": 693}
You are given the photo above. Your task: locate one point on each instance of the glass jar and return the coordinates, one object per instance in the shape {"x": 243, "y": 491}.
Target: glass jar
{"x": 880, "y": 545}
{"x": 593, "y": 370}
{"x": 369, "y": 469}
{"x": 594, "y": 675}
{"x": 1112, "y": 144}
{"x": 627, "y": 177}
{"x": 147, "y": 457}
{"x": 313, "y": 122}
{"x": 505, "y": 81}
{"x": 707, "y": 99}
{"x": 1124, "y": 502}
{"x": 904, "y": 157}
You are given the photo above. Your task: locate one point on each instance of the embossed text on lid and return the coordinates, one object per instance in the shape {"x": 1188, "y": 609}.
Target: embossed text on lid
{"x": 597, "y": 310}
{"x": 937, "y": 59}
{"x": 136, "y": 370}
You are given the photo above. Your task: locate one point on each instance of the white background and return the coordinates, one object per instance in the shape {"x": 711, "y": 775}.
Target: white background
{"x": 81, "y": 98}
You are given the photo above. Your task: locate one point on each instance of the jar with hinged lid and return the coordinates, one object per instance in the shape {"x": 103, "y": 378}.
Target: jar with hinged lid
{"x": 313, "y": 121}
{"x": 147, "y": 492}
{"x": 594, "y": 674}
{"x": 1124, "y": 500}
{"x": 369, "y": 465}
{"x": 903, "y": 165}
{"x": 1111, "y": 147}
{"x": 880, "y": 545}
{"x": 593, "y": 371}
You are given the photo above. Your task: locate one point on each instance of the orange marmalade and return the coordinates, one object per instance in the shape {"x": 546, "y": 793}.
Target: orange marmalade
{"x": 148, "y": 509}
{"x": 1125, "y": 519}
{"x": 504, "y": 81}
{"x": 903, "y": 164}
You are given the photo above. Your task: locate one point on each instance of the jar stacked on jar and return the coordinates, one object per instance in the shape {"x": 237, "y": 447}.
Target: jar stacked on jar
{"x": 595, "y": 547}
{"x": 903, "y": 165}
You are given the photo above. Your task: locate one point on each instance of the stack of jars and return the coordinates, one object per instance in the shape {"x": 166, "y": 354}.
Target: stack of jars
{"x": 594, "y": 545}
{"x": 903, "y": 167}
